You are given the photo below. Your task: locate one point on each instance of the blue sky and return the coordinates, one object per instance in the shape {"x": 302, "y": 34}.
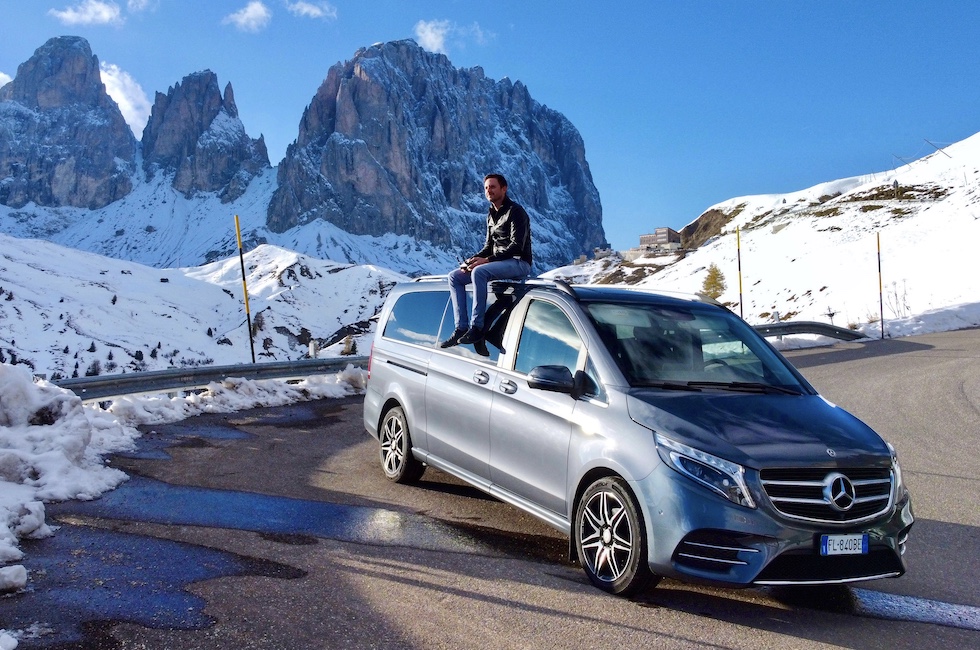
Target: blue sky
{"x": 682, "y": 104}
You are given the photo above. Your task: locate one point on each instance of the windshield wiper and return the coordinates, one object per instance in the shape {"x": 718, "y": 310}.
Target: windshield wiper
{"x": 745, "y": 387}
{"x": 668, "y": 385}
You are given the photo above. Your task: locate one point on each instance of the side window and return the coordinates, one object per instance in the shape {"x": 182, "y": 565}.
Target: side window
{"x": 416, "y": 317}
{"x": 548, "y": 338}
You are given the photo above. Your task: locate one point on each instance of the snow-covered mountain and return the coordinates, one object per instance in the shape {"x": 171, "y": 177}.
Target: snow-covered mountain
{"x": 814, "y": 254}
{"x": 387, "y": 167}
{"x": 66, "y": 313}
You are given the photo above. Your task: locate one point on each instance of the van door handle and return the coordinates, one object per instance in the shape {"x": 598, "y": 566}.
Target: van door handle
{"x": 508, "y": 387}
{"x": 481, "y": 377}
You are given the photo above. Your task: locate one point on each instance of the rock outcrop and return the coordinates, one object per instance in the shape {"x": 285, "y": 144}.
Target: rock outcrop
{"x": 398, "y": 141}
{"x": 195, "y": 133}
{"x": 63, "y": 140}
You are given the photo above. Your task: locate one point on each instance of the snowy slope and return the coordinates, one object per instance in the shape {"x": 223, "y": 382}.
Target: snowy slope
{"x": 66, "y": 312}
{"x": 813, "y": 254}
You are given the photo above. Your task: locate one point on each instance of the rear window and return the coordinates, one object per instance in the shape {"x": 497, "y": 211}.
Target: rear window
{"x": 417, "y": 316}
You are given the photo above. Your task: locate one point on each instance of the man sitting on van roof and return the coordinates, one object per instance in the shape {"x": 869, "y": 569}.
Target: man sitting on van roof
{"x": 506, "y": 255}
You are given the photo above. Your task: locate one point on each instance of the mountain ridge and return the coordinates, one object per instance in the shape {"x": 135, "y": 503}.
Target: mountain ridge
{"x": 383, "y": 170}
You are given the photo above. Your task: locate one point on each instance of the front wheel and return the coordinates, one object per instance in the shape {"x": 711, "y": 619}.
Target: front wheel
{"x": 610, "y": 538}
{"x": 397, "y": 461}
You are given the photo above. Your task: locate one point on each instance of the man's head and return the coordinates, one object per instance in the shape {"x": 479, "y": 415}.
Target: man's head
{"x": 495, "y": 188}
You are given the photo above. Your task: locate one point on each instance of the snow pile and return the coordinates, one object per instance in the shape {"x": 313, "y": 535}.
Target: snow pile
{"x": 50, "y": 450}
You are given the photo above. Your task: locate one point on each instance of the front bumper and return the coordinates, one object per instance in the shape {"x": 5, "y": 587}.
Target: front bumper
{"x": 694, "y": 534}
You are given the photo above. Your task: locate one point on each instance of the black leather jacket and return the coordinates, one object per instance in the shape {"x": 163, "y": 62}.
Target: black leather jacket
{"x": 508, "y": 233}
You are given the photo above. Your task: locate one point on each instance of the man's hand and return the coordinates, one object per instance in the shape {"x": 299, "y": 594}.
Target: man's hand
{"x": 473, "y": 262}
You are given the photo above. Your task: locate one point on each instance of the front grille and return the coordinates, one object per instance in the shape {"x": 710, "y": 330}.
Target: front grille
{"x": 838, "y": 495}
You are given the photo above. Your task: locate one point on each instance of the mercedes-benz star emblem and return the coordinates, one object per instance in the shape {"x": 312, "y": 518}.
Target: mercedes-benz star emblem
{"x": 839, "y": 492}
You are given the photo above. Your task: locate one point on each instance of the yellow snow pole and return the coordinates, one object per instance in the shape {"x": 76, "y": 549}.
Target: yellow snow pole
{"x": 248, "y": 315}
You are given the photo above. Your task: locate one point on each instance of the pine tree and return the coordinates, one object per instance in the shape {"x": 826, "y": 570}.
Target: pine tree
{"x": 714, "y": 282}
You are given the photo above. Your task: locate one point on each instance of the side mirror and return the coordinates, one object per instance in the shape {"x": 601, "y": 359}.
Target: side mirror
{"x": 557, "y": 379}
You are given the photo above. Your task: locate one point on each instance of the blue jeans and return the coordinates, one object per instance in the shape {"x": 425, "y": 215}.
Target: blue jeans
{"x": 512, "y": 269}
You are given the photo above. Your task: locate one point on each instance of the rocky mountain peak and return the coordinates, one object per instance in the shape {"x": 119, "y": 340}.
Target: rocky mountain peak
{"x": 397, "y": 140}
{"x": 195, "y": 133}
{"x": 63, "y": 140}
{"x": 62, "y": 72}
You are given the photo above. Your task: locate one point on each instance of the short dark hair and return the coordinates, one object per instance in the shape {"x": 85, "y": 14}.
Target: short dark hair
{"x": 498, "y": 177}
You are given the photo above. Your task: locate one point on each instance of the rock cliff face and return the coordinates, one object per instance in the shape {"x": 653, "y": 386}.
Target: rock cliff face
{"x": 397, "y": 140}
{"x": 63, "y": 140}
{"x": 195, "y": 132}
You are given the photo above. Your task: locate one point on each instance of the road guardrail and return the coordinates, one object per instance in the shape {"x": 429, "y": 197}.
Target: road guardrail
{"x": 808, "y": 327}
{"x": 181, "y": 379}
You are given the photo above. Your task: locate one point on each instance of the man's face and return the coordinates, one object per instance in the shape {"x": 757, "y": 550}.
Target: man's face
{"x": 495, "y": 193}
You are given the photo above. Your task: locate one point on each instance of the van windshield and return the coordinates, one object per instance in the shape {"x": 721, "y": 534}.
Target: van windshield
{"x": 692, "y": 347}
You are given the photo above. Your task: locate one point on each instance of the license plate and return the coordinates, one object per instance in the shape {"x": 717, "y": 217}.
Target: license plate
{"x": 843, "y": 544}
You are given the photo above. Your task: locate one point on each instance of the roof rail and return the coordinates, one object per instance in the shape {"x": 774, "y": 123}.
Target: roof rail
{"x": 430, "y": 278}
{"x": 561, "y": 285}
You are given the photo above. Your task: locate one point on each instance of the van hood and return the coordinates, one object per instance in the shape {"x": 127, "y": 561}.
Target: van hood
{"x": 761, "y": 431}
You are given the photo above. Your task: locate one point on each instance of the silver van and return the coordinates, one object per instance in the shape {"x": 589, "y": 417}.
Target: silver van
{"x": 659, "y": 431}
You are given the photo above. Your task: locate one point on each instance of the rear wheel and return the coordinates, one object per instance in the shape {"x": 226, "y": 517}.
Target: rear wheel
{"x": 397, "y": 461}
{"x": 610, "y": 538}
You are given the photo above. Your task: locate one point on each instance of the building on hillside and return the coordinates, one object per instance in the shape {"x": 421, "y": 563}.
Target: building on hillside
{"x": 662, "y": 241}
{"x": 661, "y": 238}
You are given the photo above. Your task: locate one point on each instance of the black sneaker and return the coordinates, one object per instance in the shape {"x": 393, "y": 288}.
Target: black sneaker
{"x": 453, "y": 339}
{"x": 472, "y": 335}
{"x": 480, "y": 347}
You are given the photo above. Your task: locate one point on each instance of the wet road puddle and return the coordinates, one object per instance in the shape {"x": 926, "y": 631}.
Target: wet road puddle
{"x": 149, "y": 500}
{"x": 82, "y": 576}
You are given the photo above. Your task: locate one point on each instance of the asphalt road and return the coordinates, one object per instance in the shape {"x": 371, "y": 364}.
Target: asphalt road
{"x": 275, "y": 528}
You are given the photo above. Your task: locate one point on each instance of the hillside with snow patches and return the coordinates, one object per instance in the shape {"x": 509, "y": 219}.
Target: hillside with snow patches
{"x": 813, "y": 254}
{"x": 69, "y": 313}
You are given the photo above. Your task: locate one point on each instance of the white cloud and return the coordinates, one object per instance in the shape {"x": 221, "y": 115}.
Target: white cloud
{"x": 90, "y": 12}
{"x": 136, "y": 6}
{"x": 5, "y": 79}
{"x": 479, "y": 35}
{"x": 312, "y": 9}
{"x": 431, "y": 34}
{"x": 254, "y": 17}
{"x": 434, "y": 35}
{"x": 126, "y": 92}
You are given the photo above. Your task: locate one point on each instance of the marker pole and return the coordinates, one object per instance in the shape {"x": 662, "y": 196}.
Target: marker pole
{"x": 248, "y": 315}
{"x": 738, "y": 245}
{"x": 881, "y": 291}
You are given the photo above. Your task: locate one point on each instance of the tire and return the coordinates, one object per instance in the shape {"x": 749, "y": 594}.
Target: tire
{"x": 397, "y": 461}
{"x": 611, "y": 540}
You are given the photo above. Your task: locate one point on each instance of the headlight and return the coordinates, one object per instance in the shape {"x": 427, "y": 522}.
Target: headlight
{"x": 717, "y": 474}
{"x": 898, "y": 489}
